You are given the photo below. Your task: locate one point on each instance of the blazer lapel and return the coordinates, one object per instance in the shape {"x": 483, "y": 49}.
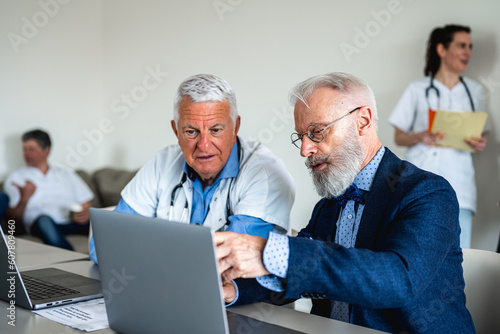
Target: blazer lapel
{"x": 326, "y": 226}
{"x": 377, "y": 201}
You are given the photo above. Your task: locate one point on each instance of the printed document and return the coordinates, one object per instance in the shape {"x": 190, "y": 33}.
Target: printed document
{"x": 86, "y": 316}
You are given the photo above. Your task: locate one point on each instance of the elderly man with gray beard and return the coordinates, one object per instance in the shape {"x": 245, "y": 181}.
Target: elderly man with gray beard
{"x": 382, "y": 247}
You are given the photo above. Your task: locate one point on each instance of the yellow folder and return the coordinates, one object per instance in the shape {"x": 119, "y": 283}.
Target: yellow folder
{"x": 458, "y": 125}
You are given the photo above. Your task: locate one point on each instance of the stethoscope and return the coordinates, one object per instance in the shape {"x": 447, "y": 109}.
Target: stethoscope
{"x": 172, "y": 200}
{"x": 432, "y": 87}
{"x": 186, "y": 207}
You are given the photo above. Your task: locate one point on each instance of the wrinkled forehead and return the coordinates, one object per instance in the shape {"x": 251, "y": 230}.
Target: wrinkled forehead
{"x": 204, "y": 111}
{"x": 324, "y": 100}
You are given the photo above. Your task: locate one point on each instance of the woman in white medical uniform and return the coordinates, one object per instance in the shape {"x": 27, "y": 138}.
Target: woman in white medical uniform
{"x": 449, "y": 50}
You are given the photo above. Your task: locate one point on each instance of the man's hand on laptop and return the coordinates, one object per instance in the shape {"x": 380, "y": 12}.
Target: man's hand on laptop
{"x": 240, "y": 255}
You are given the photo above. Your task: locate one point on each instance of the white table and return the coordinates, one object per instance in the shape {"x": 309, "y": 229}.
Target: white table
{"x": 31, "y": 254}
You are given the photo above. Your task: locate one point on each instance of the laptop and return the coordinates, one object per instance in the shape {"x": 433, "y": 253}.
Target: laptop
{"x": 161, "y": 276}
{"x": 41, "y": 288}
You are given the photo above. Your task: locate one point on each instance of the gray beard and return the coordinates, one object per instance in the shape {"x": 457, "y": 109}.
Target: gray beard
{"x": 343, "y": 164}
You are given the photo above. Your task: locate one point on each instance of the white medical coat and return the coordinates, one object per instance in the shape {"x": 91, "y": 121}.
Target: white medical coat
{"x": 263, "y": 189}
{"x": 411, "y": 115}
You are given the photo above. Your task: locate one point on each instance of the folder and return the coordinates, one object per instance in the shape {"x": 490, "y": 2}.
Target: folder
{"x": 456, "y": 126}
{"x": 432, "y": 114}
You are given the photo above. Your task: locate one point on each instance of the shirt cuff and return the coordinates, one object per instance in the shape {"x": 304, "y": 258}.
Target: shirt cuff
{"x": 92, "y": 252}
{"x": 244, "y": 224}
{"x": 271, "y": 282}
{"x": 276, "y": 254}
{"x": 276, "y": 262}
{"x": 237, "y": 294}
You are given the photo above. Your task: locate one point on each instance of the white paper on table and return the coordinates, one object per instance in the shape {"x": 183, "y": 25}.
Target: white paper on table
{"x": 87, "y": 316}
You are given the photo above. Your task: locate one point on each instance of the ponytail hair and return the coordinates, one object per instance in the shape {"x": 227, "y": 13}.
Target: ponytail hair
{"x": 441, "y": 35}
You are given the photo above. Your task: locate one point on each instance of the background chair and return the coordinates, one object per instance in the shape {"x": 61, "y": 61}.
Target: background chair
{"x": 482, "y": 289}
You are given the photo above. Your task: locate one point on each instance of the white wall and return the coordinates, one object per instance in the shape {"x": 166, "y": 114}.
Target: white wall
{"x": 51, "y": 74}
{"x": 86, "y": 74}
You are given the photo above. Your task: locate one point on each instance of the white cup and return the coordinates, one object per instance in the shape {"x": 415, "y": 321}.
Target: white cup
{"x": 74, "y": 209}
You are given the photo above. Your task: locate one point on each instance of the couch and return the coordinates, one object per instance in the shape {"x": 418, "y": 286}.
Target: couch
{"x": 106, "y": 184}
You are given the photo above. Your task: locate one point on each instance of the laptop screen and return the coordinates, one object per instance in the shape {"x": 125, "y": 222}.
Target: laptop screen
{"x": 160, "y": 273}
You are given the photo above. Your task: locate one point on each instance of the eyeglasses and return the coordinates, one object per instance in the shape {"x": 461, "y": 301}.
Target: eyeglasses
{"x": 314, "y": 132}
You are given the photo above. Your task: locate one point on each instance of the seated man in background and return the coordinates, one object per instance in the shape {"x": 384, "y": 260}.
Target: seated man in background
{"x": 42, "y": 195}
{"x": 382, "y": 248}
{"x": 212, "y": 177}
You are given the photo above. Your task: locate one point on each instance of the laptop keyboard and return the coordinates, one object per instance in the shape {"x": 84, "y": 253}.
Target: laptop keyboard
{"x": 39, "y": 289}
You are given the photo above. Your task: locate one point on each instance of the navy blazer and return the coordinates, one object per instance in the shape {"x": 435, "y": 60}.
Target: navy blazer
{"x": 405, "y": 272}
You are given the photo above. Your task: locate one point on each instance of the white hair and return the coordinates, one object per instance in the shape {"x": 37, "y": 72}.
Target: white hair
{"x": 354, "y": 88}
{"x": 206, "y": 88}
